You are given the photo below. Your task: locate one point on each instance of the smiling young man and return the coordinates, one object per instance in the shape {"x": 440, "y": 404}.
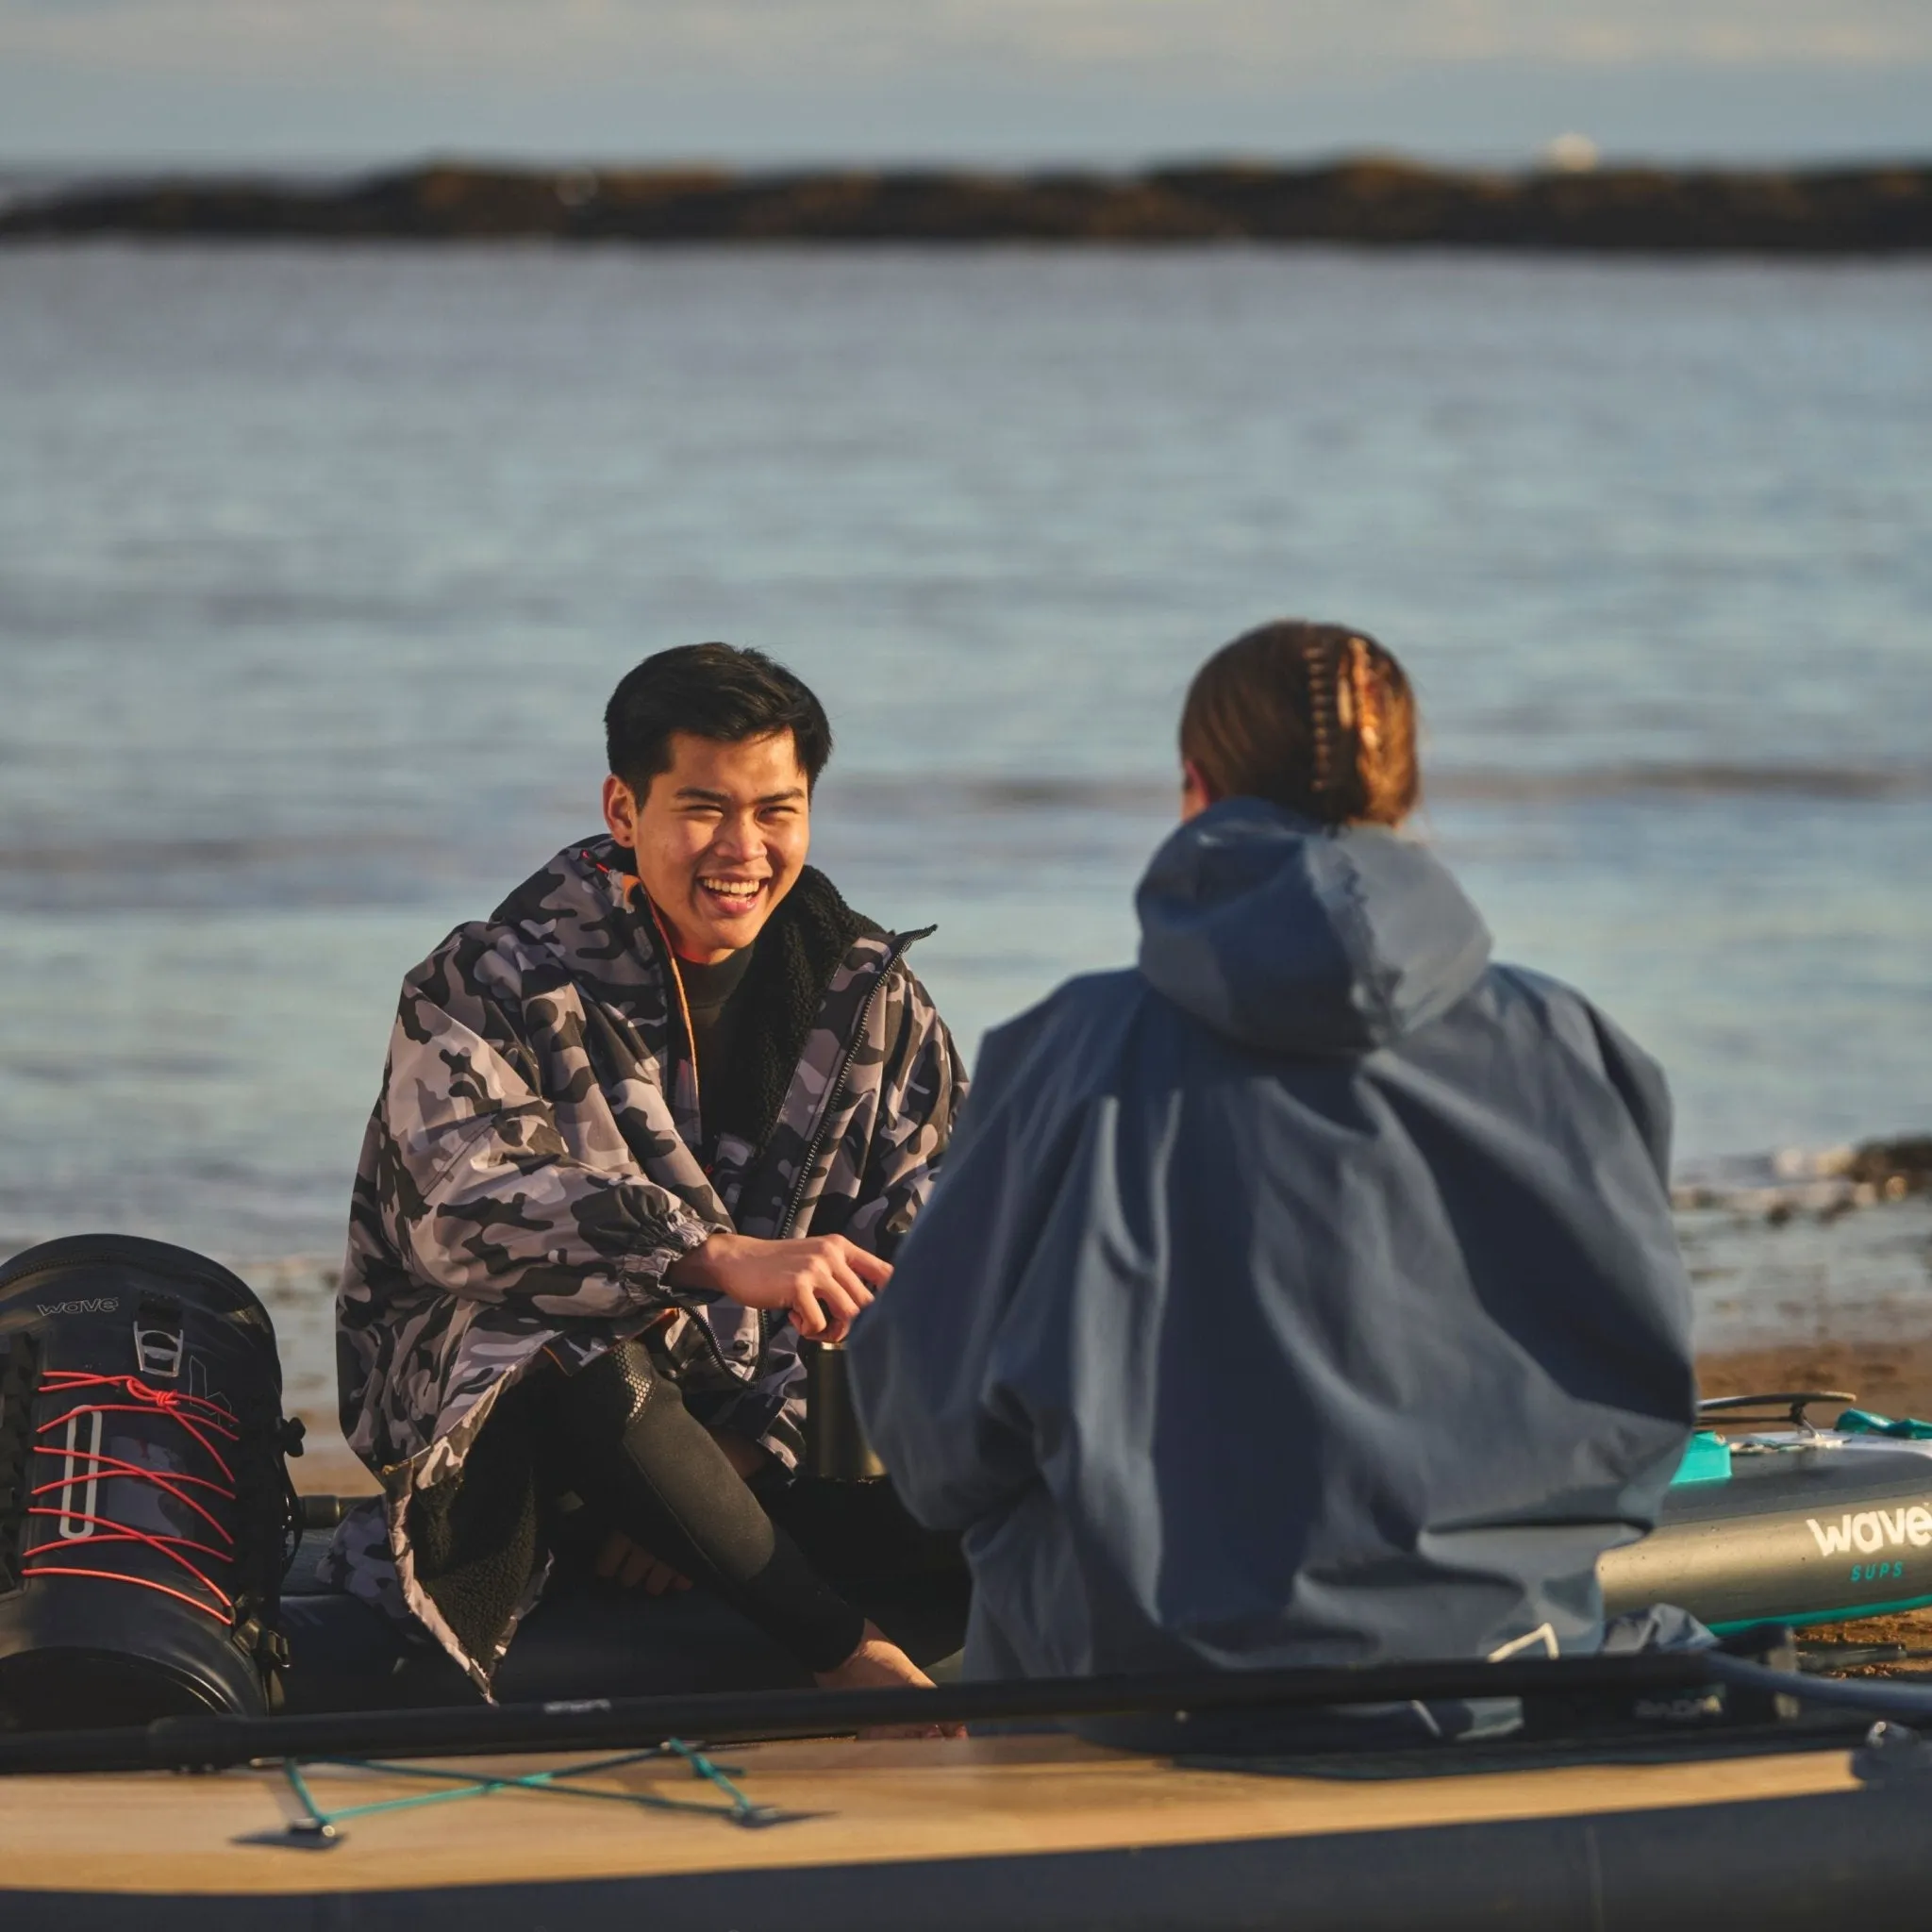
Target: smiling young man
{"x": 671, "y": 1106}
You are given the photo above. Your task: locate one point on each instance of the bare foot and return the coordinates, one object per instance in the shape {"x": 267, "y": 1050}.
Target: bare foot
{"x": 879, "y": 1664}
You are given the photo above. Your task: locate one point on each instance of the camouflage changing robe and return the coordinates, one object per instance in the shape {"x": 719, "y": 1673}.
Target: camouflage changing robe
{"x": 528, "y": 1175}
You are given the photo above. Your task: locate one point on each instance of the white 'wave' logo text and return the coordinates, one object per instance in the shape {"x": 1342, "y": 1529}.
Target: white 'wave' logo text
{"x": 1873, "y": 1529}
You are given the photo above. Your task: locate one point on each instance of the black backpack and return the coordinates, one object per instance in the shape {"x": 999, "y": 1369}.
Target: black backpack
{"x": 146, "y": 1515}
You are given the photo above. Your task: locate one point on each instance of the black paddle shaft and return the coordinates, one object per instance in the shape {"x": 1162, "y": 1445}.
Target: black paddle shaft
{"x": 211, "y": 1744}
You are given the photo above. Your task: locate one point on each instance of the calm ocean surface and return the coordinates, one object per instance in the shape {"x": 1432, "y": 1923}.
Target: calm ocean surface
{"x": 317, "y": 567}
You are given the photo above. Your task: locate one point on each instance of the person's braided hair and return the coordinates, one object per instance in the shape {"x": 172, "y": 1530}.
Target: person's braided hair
{"x": 1315, "y": 717}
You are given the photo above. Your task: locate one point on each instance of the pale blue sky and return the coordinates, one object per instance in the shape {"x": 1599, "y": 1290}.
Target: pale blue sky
{"x": 996, "y": 80}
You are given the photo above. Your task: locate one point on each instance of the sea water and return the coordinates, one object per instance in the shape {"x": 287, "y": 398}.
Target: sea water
{"x": 318, "y": 565}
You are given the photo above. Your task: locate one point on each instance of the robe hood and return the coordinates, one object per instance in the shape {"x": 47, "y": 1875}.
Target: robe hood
{"x": 1291, "y": 936}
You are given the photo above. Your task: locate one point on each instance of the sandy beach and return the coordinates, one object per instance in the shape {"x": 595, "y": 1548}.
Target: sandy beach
{"x": 1893, "y": 1376}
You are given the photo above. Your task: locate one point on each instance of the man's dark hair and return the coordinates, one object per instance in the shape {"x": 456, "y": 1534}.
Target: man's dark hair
{"x": 711, "y": 691}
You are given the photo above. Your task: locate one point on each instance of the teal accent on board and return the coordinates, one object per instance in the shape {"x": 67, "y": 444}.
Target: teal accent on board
{"x": 1847, "y": 1616}
{"x": 1862, "y": 1422}
{"x": 1707, "y": 1459}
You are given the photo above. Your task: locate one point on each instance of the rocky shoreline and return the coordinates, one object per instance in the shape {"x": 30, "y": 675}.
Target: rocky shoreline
{"x": 1829, "y": 1184}
{"x": 1368, "y": 202}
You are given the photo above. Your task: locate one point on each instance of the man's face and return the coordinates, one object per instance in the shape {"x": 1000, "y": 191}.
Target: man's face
{"x": 719, "y": 838}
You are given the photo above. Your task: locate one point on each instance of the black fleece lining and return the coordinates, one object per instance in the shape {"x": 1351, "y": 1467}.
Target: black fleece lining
{"x": 803, "y": 945}
{"x": 476, "y": 1537}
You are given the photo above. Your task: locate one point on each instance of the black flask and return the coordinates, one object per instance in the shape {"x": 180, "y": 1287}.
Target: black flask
{"x": 836, "y": 1449}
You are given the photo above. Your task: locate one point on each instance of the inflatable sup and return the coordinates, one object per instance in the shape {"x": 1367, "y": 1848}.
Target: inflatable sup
{"x": 1794, "y": 1525}
{"x": 605, "y": 1813}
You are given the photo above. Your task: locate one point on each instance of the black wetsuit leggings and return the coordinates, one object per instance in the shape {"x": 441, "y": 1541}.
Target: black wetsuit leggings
{"x": 619, "y": 1435}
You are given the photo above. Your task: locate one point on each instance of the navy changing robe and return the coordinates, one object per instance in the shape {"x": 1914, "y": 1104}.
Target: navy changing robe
{"x": 1308, "y": 1295}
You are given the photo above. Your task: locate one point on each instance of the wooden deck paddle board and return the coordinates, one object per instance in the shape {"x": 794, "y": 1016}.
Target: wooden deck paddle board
{"x": 1002, "y": 1832}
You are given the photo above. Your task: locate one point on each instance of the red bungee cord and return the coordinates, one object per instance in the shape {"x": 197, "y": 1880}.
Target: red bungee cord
{"x": 201, "y": 1419}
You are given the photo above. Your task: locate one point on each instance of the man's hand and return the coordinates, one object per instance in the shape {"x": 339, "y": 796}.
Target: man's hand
{"x": 820, "y": 1282}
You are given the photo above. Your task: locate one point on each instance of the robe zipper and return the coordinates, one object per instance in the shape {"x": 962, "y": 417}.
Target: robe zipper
{"x": 788, "y": 1226}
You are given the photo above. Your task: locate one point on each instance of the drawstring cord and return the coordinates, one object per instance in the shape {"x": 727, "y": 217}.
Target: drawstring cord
{"x": 200, "y": 1420}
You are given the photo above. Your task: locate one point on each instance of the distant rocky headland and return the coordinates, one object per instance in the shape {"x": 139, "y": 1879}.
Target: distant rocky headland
{"x": 1372, "y": 203}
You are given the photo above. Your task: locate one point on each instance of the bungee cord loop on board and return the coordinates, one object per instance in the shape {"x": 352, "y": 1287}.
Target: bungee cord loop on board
{"x": 317, "y": 1827}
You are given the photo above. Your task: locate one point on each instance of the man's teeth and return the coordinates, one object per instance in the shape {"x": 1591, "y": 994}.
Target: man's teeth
{"x": 733, "y": 889}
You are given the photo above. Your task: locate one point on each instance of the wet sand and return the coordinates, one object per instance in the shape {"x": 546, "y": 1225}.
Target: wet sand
{"x": 1893, "y": 1378}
